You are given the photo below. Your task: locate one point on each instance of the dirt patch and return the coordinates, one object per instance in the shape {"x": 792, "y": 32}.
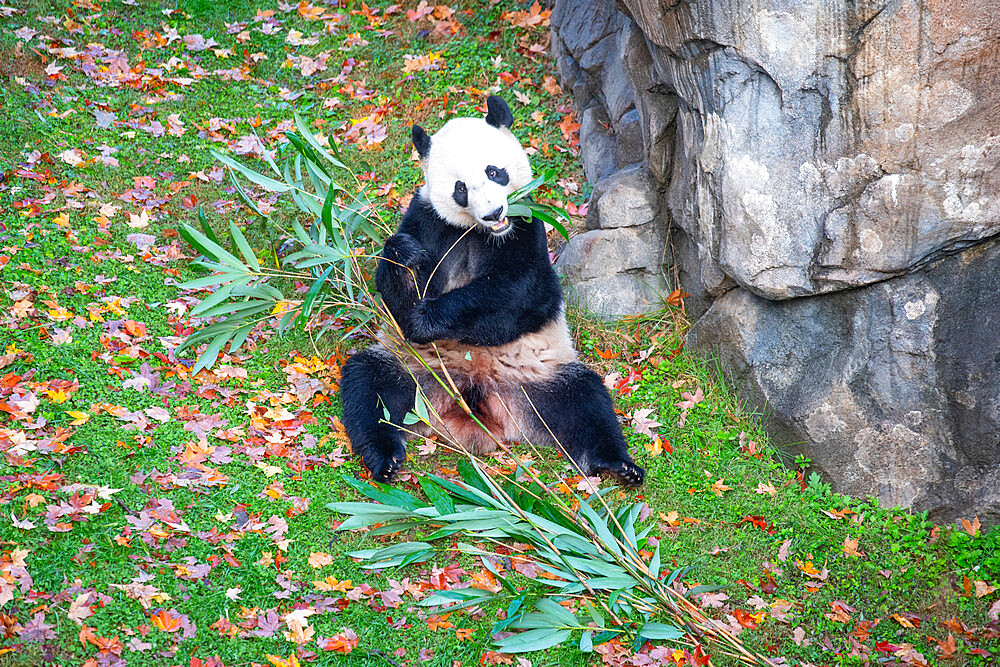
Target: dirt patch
{"x": 16, "y": 62}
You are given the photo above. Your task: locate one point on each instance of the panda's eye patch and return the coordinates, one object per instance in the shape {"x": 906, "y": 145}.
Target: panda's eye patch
{"x": 497, "y": 175}
{"x": 461, "y": 194}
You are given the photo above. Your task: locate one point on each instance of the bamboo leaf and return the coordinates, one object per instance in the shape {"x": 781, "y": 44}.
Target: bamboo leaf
{"x": 247, "y": 199}
{"x": 211, "y": 353}
{"x": 209, "y": 248}
{"x": 441, "y": 500}
{"x": 533, "y": 640}
{"x": 661, "y": 631}
{"x": 318, "y": 284}
{"x": 303, "y": 129}
{"x": 384, "y": 494}
{"x": 245, "y": 250}
{"x": 209, "y": 281}
{"x": 263, "y": 181}
{"x": 206, "y": 228}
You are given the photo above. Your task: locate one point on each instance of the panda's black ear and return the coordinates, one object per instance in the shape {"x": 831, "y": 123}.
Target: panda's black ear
{"x": 498, "y": 113}
{"x": 421, "y": 140}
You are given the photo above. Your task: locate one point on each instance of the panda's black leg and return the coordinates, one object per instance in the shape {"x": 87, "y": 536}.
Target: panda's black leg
{"x": 372, "y": 382}
{"x": 576, "y": 408}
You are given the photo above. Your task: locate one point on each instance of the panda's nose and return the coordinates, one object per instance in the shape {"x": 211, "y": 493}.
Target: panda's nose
{"x": 494, "y": 215}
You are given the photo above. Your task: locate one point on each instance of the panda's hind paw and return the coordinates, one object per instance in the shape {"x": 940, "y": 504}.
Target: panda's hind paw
{"x": 626, "y": 472}
{"x": 385, "y": 469}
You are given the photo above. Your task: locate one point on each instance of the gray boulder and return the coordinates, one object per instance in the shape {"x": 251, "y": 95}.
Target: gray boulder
{"x": 826, "y": 175}
{"x": 890, "y": 387}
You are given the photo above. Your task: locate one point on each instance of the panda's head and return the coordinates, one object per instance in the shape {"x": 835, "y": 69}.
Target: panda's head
{"x": 471, "y": 165}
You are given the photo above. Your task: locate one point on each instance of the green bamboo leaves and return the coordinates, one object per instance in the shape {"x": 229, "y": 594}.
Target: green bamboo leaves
{"x": 243, "y": 295}
{"x": 520, "y": 205}
{"x": 591, "y": 555}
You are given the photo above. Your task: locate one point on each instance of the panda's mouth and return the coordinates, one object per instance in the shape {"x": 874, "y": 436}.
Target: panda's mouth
{"x": 500, "y": 225}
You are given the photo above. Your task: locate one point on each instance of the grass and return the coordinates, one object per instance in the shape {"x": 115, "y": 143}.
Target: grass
{"x": 196, "y": 530}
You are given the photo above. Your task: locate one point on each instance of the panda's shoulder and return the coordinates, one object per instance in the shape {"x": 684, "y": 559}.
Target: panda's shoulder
{"x": 420, "y": 218}
{"x": 419, "y": 209}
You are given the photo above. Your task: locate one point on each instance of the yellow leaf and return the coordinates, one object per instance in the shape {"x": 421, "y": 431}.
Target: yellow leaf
{"x": 655, "y": 448}
{"x": 277, "y": 661}
{"x": 57, "y": 395}
{"x": 79, "y": 418}
{"x": 281, "y": 307}
{"x": 62, "y": 219}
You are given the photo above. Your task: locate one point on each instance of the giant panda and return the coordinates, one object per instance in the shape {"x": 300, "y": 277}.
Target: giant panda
{"x": 489, "y": 308}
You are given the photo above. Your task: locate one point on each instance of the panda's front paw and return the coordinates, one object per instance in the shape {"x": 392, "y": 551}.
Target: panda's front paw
{"x": 420, "y": 327}
{"x": 403, "y": 250}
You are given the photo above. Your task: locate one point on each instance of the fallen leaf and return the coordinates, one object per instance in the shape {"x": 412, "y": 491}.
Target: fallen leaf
{"x": 768, "y": 489}
{"x": 983, "y": 589}
{"x": 972, "y": 528}
{"x": 783, "y": 550}
{"x": 641, "y": 422}
{"x": 718, "y": 487}
{"x": 850, "y": 547}
{"x": 319, "y": 559}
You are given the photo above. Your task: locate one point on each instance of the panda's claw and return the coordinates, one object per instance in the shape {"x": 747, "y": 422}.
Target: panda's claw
{"x": 626, "y": 472}
{"x": 385, "y": 469}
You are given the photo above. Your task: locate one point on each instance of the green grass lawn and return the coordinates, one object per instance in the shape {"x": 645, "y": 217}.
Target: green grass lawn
{"x": 152, "y": 517}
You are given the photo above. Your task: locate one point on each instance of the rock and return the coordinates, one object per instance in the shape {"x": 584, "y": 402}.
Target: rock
{"x": 627, "y": 198}
{"x": 597, "y": 145}
{"x": 617, "y": 295}
{"x": 893, "y": 389}
{"x": 615, "y": 272}
{"x": 826, "y": 147}
{"x": 629, "y": 139}
{"x": 820, "y": 168}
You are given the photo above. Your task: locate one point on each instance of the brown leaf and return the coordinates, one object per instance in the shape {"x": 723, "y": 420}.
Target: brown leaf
{"x": 971, "y": 528}
{"x": 850, "y": 547}
{"x": 983, "y": 589}
{"x": 947, "y": 647}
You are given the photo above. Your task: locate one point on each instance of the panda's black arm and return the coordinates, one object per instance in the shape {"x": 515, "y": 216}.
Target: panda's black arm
{"x": 402, "y": 259}
{"x": 491, "y": 310}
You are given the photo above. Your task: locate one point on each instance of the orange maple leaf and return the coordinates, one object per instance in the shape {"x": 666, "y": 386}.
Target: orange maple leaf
{"x": 439, "y": 622}
{"x": 972, "y": 528}
{"x": 165, "y": 621}
{"x": 345, "y": 642}
{"x": 569, "y": 129}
